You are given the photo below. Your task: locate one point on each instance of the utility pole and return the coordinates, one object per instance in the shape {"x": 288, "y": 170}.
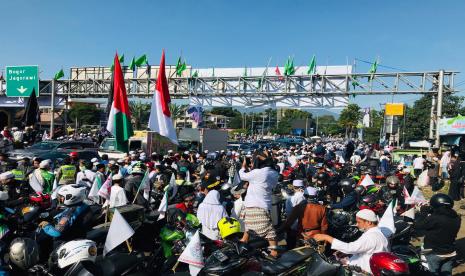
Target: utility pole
{"x": 439, "y": 110}
{"x": 316, "y": 133}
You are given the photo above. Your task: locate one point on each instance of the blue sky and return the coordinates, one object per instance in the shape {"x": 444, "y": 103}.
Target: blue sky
{"x": 410, "y": 35}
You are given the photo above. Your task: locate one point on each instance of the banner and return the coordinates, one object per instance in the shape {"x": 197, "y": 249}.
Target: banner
{"x": 450, "y": 126}
{"x": 394, "y": 109}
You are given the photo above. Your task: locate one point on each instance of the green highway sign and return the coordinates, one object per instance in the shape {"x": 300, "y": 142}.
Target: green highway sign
{"x": 21, "y": 80}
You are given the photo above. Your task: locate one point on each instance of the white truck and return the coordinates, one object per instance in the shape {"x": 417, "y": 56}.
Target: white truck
{"x": 149, "y": 142}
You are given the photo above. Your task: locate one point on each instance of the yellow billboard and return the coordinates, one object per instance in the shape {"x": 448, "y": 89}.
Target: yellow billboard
{"x": 394, "y": 109}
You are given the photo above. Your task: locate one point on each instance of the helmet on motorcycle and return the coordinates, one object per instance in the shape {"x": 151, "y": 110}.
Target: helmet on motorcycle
{"x": 385, "y": 263}
{"x": 372, "y": 189}
{"x": 24, "y": 252}
{"x": 370, "y": 200}
{"x": 228, "y": 226}
{"x": 439, "y": 200}
{"x": 73, "y": 194}
{"x": 76, "y": 251}
{"x": 392, "y": 182}
{"x": 347, "y": 185}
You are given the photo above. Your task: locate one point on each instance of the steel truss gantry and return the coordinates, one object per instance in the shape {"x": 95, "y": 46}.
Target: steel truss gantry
{"x": 298, "y": 91}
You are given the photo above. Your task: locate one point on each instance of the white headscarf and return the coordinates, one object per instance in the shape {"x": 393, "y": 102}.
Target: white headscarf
{"x": 209, "y": 213}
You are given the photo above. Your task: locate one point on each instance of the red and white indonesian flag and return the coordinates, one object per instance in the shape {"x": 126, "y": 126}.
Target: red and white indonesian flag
{"x": 160, "y": 115}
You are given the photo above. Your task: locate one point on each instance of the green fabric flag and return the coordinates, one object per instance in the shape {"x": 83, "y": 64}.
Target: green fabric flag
{"x": 132, "y": 65}
{"x": 141, "y": 61}
{"x": 312, "y": 66}
{"x": 121, "y": 60}
{"x": 355, "y": 82}
{"x": 245, "y": 72}
{"x": 196, "y": 74}
{"x": 213, "y": 73}
{"x": 289, "y": 67}
{"x": 373, "y": 69}
{"x": 180, "y": 67}
{"x": 59, "y": 75}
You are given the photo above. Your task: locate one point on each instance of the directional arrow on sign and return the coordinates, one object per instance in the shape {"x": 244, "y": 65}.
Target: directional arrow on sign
{"x": 22, "y": 89}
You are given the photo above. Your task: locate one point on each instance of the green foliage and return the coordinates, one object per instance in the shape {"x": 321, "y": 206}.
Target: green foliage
{"x": 140, "y": 113}
{"x": 349, "y": 118}
{"x": 328, "y": 125}
{"x": 177, "y": 111}
{"x": 85, "y": 114}
{"x": 418, "y": 116}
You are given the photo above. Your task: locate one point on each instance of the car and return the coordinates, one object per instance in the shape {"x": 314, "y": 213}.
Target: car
{"x": 58, "y": 156}
{"x": 50, "y": 146}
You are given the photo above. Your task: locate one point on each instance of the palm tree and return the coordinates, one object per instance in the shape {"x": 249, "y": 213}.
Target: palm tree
{"x": 140, "y": 113}
{"x": 177, "y": 111}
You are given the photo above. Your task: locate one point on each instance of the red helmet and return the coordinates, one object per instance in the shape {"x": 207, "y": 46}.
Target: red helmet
{"x": 73, "y": 154}
{"x": 385, "y": 263}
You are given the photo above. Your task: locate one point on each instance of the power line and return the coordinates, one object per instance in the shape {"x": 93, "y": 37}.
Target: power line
{"x": 388, "y": 67}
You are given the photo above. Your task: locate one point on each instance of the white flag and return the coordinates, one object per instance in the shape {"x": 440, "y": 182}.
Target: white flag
{"x": 417, "y": 196}
{"x": 54, "y": 189}
{"x": 119, "y": 231}
{"x": 173, "y": 186}
{"x": 34, "y": 182}
{"x": 93, "y": 193}
{"x": 193, "y": 255}
{"x": 163, "y": 208}
{"x": 386, "y": 223}
{"x": 410, "y": 213}
{"x": 367, "y": 181}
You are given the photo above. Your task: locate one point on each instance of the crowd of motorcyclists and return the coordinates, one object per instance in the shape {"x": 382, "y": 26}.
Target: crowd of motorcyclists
{"x": 330, "y": 194}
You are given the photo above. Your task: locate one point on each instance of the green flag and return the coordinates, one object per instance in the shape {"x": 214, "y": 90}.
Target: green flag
{"x": 373, "y": 69}
{"x": 59, "y": 75}
{"x": 121, "y": 60}
{"x": 180, "y": 67}
{"x": 141, "y": 60}
{"x": 132, "y": 65}
{"x": 289, "y": 67}
{"x": 355, "y": 82}
{"x": 213, "y": 72}
{"x": 196, "y": 74}
{"x": 245, "y": 72}
{"x": 312, "y": 66}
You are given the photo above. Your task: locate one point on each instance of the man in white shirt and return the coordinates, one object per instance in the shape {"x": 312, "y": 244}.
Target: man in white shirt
{"x": 355, "y": 159}
{"x": 257, "y": 203}
{"x": 372, "y": 241}
{"x": 418, "y": 165}
{"x": 297, "y": 198}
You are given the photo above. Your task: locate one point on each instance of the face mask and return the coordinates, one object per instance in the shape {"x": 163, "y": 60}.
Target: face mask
{"x": 82, "y": 168}
{"x": 179, "y": 181}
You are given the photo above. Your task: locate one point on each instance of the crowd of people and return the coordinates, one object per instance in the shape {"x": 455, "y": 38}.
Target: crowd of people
{"x": 234, "y": 194}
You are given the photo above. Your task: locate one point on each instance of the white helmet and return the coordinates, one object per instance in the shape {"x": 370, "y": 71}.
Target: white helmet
{"x": 4, "y": 196}
{"x": 24, "y": 252}
{"x": 73, "y": 194}
{"x": 76, "y": 251}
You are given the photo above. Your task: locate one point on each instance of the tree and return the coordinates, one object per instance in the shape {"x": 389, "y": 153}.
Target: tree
{"x": 349, "y": 118}
{"x": 140, "y": 113}
{"x": 328, "y": 125}
{"x": 372, "y": 133}
{"x": 84, "y": 114}
{"x": 177, "y": 111}
{"x": 418, "y": 116}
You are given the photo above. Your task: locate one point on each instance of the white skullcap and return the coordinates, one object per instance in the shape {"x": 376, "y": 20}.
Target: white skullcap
{"x": 112, "y": 162}
{"x": 186, "y": 152}
{"x": 298, "y": 183}
{"x": 170, "y": 151}
{"x": 368, "y": 215}
{"x": 311, "y": 191}
{"x": 131, "y": 152}
{"x": 6, "y": 176}
{"x": 117, "y": 177}
{"x": 44, "y": 164}
{"x": 406, "y": 170}
{"x": 94, "y": 160}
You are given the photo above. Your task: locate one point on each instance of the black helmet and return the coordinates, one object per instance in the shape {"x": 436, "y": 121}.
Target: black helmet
{"x": 439, "y": 200}
{"x": 347, "y": 185}
{"x": 392, "y": 182}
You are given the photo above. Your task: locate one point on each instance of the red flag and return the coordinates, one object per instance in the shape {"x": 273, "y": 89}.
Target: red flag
{"x": 278, "y": 73}
{"x": 160, "y": 115}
